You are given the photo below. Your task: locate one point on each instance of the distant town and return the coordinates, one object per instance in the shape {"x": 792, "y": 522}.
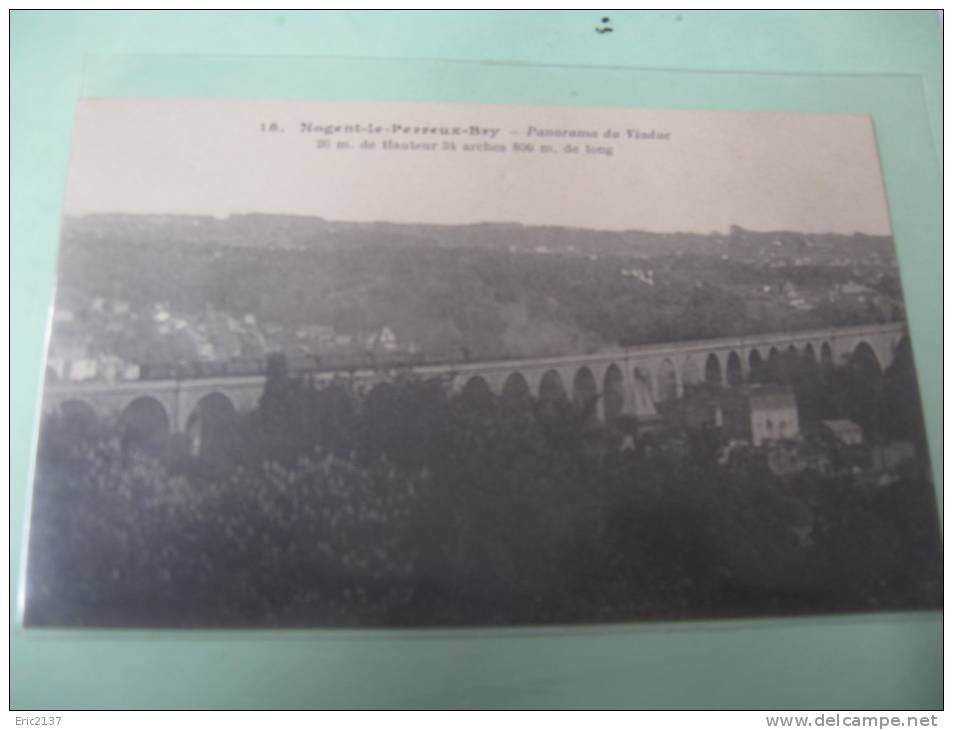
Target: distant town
{"x": 366, "y": 311}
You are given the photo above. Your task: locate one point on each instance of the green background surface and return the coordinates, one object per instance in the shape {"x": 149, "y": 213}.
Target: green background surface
{"x": 883, "y": 63}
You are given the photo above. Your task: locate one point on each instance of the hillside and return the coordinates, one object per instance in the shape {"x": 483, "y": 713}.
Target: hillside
{"x": 489, "y": 289}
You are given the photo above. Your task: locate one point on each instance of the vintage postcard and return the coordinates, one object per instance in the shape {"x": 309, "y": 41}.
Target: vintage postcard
{"x": 391, "y": 365}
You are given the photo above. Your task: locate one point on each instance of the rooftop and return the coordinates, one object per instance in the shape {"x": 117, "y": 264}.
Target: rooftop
{"x": 841, "y": 425}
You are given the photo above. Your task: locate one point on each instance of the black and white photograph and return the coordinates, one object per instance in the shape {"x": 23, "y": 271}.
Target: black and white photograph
{"x": 392, "y": 365}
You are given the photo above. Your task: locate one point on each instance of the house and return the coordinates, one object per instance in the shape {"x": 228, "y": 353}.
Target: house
{"x": 83, "y": 369}
{"x": 893, "y": 455}
{"x": 646, "y": 276}
{"x": 112, "y": 368}
{"x": 792, "y": 457}
{"x": 204, "y": 350}
{"x": 759, "y": 415}
{"x": 384, "y": 340}
{"x": 65, "y": 350}
{"x": 774, "y": 417}
{"x": 846, "y": 432}
{"x": 320, "y": 333}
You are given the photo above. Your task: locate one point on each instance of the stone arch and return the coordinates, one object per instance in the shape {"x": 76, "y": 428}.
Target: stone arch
{"x": 734, "y": 372}
{"x": 613, "y": 392}
{"x": 756, "y": 366}
{"x": 77, "y": 408}
{"x": 144, "y": 423}
{"x": 551, "y": 386}
{"x": 902, "y": 358}
{"x": 78, "y": 418}
{"x": 826, "y": 357}
{"x": 713, "y": 369}
{"x": 585, "y": 390}
{"x": 691, "y": 373}
{"x": 896, "y": 343}
{"x": 808, "y": 361}
{"x": 476, "y": 389}
{"x": 196, "y": 399}
{"x": 209, "y": 420}
{"x": 667, "y": 379}
{"x": 515, "y": 389}
{"x": 773, "y": 365}
{"x": 864, "y": 356}
{"x": 790, "y": 360}
{"x": 381, "y": 404}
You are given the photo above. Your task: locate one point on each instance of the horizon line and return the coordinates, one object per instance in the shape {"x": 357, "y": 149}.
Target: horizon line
{"x": 311, "y": 216}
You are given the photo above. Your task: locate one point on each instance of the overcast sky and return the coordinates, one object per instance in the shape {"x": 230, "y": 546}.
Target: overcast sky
{"x": 806, "y": 172}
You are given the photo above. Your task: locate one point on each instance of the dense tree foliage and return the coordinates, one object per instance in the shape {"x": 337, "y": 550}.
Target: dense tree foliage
{"x": 404, "y": 506}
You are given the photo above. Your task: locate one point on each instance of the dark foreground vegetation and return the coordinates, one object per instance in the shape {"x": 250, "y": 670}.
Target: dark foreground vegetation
{"x": 405, "y": 507}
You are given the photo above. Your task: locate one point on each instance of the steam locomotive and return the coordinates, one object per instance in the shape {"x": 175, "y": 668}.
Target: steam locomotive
{"x": 296, "y": 365}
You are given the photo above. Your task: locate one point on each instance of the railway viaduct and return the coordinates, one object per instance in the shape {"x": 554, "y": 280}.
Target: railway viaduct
{"x": 623, "y": 381}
